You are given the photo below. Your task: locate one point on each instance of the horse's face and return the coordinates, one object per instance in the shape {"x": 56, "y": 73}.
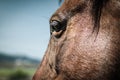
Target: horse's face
{"x": 84, "y": 43}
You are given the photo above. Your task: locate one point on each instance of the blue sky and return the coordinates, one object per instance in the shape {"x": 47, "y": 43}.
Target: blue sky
{"x": 24, "y": 26}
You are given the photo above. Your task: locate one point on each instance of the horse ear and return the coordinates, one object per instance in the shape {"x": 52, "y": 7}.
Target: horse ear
{"x": 114, "y": 8}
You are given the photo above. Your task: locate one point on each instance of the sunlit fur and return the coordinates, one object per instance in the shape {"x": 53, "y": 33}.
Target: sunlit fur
{"x": 89, "y": 47}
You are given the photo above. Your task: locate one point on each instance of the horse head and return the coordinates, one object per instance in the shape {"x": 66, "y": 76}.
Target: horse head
{"x": 84, "y": 42}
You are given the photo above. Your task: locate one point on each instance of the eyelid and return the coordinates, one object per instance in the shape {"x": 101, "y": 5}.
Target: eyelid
{"x": 55, "y": 17}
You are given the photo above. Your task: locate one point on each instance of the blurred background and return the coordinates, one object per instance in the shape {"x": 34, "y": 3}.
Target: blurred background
{"x": 24, "y": 36}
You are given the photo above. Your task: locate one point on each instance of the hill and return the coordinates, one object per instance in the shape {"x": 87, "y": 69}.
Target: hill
{"x": 11, "y": 61}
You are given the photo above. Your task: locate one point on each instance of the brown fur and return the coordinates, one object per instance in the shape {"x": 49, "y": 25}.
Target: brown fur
{"x": 84, "y": 51}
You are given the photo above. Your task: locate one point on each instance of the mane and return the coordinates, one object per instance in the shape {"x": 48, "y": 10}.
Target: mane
{"x": 97, "y": 7}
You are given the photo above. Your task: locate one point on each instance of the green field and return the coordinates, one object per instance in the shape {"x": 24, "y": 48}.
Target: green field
{"x": 6, "y": 73}
{"x": 17, "y": 67}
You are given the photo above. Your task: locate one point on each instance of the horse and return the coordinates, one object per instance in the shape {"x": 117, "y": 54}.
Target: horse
{"x": 84, "y": 42}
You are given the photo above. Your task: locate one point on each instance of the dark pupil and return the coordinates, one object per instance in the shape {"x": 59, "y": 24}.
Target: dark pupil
{"x": 55, "y": 26}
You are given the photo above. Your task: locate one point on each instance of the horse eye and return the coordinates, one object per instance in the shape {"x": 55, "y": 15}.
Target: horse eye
{"x": 55, "y": 26}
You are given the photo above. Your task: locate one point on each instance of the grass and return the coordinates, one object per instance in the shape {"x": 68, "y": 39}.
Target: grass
{"x": 5, "y": 72}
